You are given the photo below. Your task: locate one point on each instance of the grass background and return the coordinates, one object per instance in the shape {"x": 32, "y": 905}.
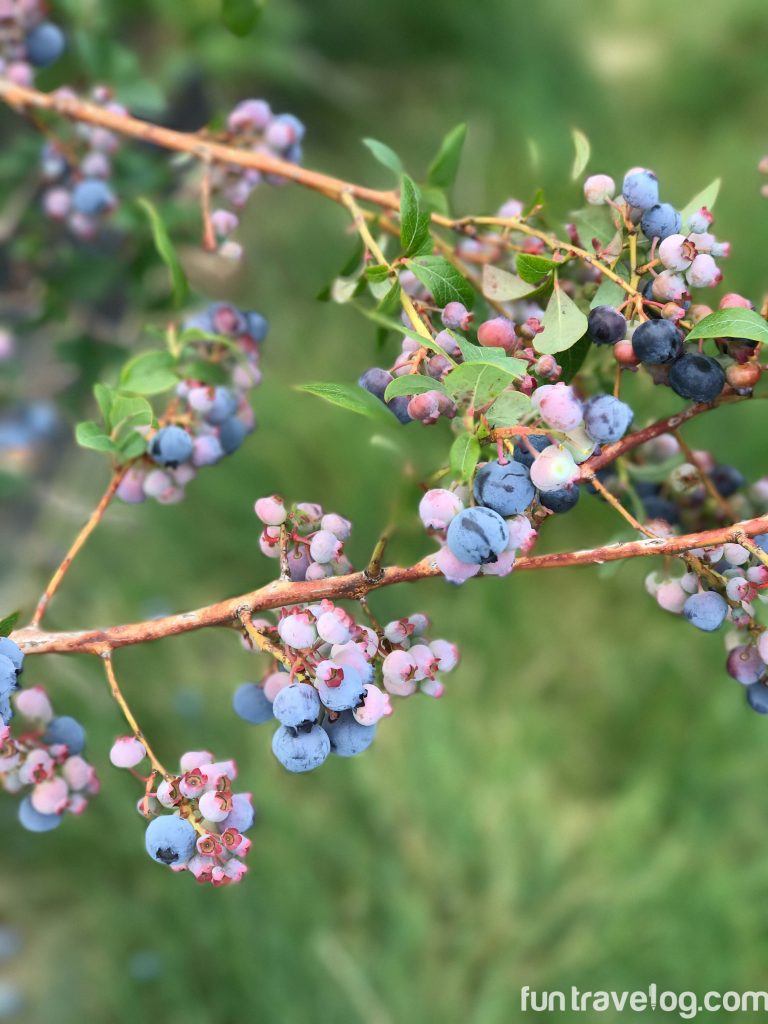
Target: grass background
{"x": 586, "y": 805}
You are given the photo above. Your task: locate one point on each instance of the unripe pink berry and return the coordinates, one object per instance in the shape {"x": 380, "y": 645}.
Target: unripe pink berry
{"x": 624, "y": 354}
{"x": 271, "y": 510}
{"x": 676, "y": 252}
{"x": 521, "y": 534}
{"x": 194, "y": 758}
{"x": 671, "y": 596}
{"x": 498, "y": 333}
{"x": 704, "y": 272}
{"x": 454, "y": 570}
{"x": 425, "y": 407}
{"x": 50, "y": 797}
{"x": 297, "y": 629}
{"x": 325, "y": 546}
{"x": 558, "y": 406}
{"x": 34, "y": 703}
{"x": 503, "y": 565}
{"x": 447, "y": 655}
{"x": 511, "y": 208}
{"x": 438, "y": 507}
{"x": 127, "y": 752}
{"x": 735, "y": 301}
{"x": 214, "y": 806}
{"x": 670, "y": 287}
{"x": 337, "y": 525}
{"x": 598, "y": 188}
{"x": 553, "y": 467}
{"x": 77, "y": 772}
{"x": 376, "y": 705}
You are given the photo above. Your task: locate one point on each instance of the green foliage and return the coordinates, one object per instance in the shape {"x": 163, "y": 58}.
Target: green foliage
{"x": 167, "y": 252}
{"x": 444, "y": 168}
{"x": 501, "y": 286}
{"x": 564, "y": 324}
{"x": 442, "y": 279}
{"x": 474, "y": 385}
{"x": 149, "y": 373}
{"x": 581, "y": 157}
{"x": 385, "y": 156}
{"x": 8, "y": 624}
{"x": 412, "y": 384}
{"x": 415, "y": 237}
{"x": 509, "y": 409}
{"x": 532, "y": 269}
{"x": 348, "y": 396}
{"x": 732, "y": 323}
{"x": 464, "y": 456}
{"x": 241, "y": 16}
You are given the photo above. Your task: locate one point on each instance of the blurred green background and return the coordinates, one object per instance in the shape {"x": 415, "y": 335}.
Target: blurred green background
{"x": 585, "y": 805}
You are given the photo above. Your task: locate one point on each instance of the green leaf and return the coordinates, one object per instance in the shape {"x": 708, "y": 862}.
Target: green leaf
{"x": 481, "y": 354}
{"x": 131, "y": 407}
{"x": 475, "y": 385}
{"x": 412, "y": 384}
{"x": 595, "y": 222}
{"x": 205, "y": 371}
{"x": 390, "y": 304}
{"x": 7, "y": 624}
{"x": 583, "y": 150}
{"x": 508, "y": 409}
{"x": 608, "y": 294}
{"x": 501, "y": 286}
{"x": 443, "y": 280}
{"x": 240, "y": 16}
{"x": 376, "y": 273}
{"x": 464, "y": 456}
{"x": 564, "y": 324}
{"x": 89, "y": 434}
{"x": 149, "y": 373}
{"x": 443, "y": 169}
{"x": 166, "y": 252}
{"x": 572, "y": 359}
{"x": 532, "y": 268}
{"x": 414, "y": 225}
{"x": 706, "y": 197}
{"x": 132, "y": 446}
{"x": 105, "y": 396}
{"x": 731, "y": 323}
{"x": 347, "y": 396}
{"x": 386, "y": 156}
{"x": 434, "y": 200}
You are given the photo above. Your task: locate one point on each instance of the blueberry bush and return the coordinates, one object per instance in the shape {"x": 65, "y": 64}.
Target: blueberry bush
{"x": 512, "y": 333}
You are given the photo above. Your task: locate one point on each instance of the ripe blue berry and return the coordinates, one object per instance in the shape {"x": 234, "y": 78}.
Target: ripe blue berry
{"x": 223, "y": 405}
{"x": 170, "y": 840}
{"x": 11, "y": 650}
{"x": 92, "y": 197}
{"x": 340, "y": 687}
{"x": 657, "y": 507}
{"x": 232, "y": 433}
{"x": 348, "y": 738}
{"x": 660, "y": 221}
{"x": 641, "y": 188}
{"x": 250, "y": 703}
{"x": 706, "y": 611}
{"x": 697, "y": 377}
{"x": 258, "y": 325}
{"x": 67, "y": 731}
{"x": 477, "y": 536}
{"x": 757, "y": 698}
{"x": 375, "y": 380}
{"x": 561, "y": 499}
{"x": 606, "y": 418}
{"x": 537, "y": 441}
{"x": 727, "y": 480}
{"x": 606, "y": 325}
{"x": 34, "y": 821}
{"x": 171, "y": 446}
{"x": 506, "y": 489}
{"x": 297, "y": 705}
{"x": 44, "y": 44}
{"x": 300, "y": 751}
{"x": 657, "y": 341}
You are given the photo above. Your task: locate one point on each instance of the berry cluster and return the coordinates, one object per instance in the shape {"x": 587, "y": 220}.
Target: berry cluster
{"x": 77, "y": 171}
{"x": 207, "y": 422}
{"x": 27, "y": 40}
{"x": 204, "y": 832}
{"x": 313, "y": 545}
{"x": 322, "y": 691}
{"x": 500, "y": 335}
{"x": 253, "y": 126}
{"x": 511, "y": 496}
{"x": 47, "y": 758}
{"x": 726, "y": 587}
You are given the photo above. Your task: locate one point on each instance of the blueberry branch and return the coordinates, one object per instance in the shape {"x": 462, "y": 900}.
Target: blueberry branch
{"x": 351, "y": 587}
